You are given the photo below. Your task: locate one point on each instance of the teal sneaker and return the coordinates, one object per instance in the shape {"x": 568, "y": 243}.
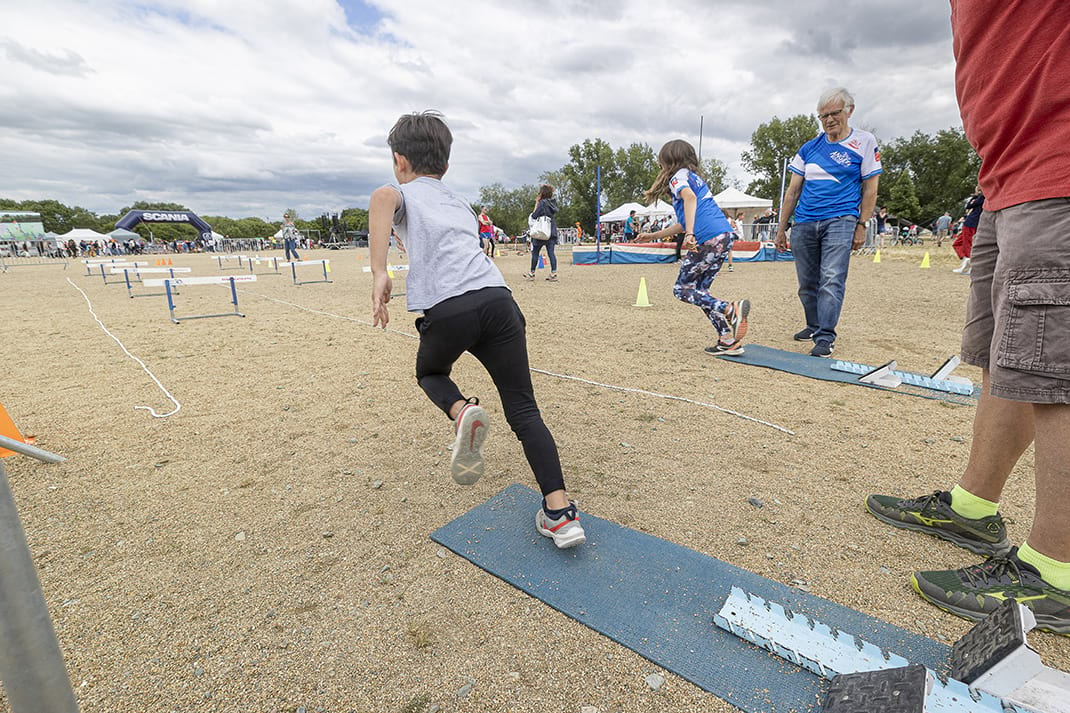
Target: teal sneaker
{"x": 932, "y": 514}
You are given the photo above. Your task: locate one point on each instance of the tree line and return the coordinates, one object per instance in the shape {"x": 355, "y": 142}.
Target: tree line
{"x": 924, "y": 175}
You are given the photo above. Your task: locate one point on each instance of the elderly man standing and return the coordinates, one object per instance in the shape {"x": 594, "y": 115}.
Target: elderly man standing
{"x": 1013, "y": 96}
{"x": 832, "y": 194}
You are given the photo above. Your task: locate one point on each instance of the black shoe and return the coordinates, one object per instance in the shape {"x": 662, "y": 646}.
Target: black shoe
{"x": 804, "y": 336}
{"x": 822, "y": 349}
{"x": 932, "y": 514}
{"x": 977, "y": 591}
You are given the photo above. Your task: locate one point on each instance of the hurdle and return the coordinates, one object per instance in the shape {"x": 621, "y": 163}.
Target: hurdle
{"x": 138, "y": 272}
{"x": 273, "y": 261}
{"x": 112, "y": 266}
{"x": 168, "y": 282}
{"x": 325, "y": 264}
{"x": 92, "y": 266}
{"x": 227, "y": 258}
{"x": 31, "y": 662}
{"x": 390, "y": 270}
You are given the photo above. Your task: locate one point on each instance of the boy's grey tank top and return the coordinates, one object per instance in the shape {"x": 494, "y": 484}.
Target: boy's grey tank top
{"x": 438, "y": 229}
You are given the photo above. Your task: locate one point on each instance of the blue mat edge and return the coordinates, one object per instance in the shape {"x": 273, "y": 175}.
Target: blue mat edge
{"x": 936, "y": 657}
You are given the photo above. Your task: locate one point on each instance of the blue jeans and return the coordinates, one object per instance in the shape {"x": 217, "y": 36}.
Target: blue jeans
{"x": 536, "y": 248}
{"x": 822, "y": 251}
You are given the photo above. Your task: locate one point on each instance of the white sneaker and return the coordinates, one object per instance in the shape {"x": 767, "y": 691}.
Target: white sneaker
{"x": 964, "y": 268}
{"x": 466, "y": 463}
{"x": 566, "y": 530}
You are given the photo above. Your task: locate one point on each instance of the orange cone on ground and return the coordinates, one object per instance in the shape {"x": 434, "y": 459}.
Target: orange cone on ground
{"x": 9, "y": 429}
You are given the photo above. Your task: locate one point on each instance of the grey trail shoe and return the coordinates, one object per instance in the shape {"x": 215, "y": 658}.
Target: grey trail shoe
{"x": 932, "y": 514}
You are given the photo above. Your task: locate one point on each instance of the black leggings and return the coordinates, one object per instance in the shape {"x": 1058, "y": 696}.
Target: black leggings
{"x": 489, "y": 324}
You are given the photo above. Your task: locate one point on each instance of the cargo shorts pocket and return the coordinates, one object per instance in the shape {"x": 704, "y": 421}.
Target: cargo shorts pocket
{"x": 1036, "y": 336}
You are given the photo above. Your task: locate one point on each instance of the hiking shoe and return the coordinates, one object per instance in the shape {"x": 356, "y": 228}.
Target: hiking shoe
{"x": 932, "y": 514}
{"x": 466, "y": 463}
{"x": 565, "y": 529}
{"x": 721, "y": 349}
{"x": 822, "y": 349}
{"x": 737, "y": 319}
{"x": 804, "y": 336}
{"x": 977, "y": 591}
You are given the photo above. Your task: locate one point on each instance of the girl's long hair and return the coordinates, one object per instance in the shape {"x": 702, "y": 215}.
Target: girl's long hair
{"x": 673, "y": 156}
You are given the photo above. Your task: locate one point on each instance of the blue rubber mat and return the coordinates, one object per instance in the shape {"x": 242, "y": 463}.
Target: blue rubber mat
{"x": 818, "y": 368}
{"x": 658, "y": 599}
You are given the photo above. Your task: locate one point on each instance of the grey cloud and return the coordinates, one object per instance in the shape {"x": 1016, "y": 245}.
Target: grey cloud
{"x": 66, "y": 63}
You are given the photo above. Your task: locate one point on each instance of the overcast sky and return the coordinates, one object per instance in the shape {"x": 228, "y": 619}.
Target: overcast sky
{"x": 247, "y": 107}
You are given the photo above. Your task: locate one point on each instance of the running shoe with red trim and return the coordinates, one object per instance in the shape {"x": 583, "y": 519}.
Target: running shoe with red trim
{"x": 737, "y": 319}
{"x": 466, "y": 463}
{"x": 562, "y": 525}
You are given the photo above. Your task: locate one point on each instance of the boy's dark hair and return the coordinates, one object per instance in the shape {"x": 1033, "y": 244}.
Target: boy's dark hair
{"x": 424, "y": 139}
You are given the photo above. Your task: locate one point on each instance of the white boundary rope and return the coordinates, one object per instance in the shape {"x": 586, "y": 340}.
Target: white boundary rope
{"x": 566, "y": 377}
{"x": 125, "y": 351}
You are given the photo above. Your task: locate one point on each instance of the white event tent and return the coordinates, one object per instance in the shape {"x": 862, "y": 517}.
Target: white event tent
{"x": 732, "y": 198}
{"x": 622, "y": 212}
{"x": 78, "y": 234}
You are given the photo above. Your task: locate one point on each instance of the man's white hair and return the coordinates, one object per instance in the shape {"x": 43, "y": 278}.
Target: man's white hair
{"x": 836, "y": 94}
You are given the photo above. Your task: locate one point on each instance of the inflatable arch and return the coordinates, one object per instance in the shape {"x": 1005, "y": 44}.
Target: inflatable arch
{"x": 128, "y": 221}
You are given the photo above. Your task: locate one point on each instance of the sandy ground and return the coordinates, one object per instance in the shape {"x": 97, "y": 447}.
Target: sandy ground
{"x": 266, "y": 548}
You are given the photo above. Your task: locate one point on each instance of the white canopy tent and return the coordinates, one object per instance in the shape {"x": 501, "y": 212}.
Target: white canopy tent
{"x": 658, "y": 208}
{"x": 621, "y": 213}
{"x": 732, "y": 198}
{"x": 77, "y": 234}
{"x": 123, "y": 235}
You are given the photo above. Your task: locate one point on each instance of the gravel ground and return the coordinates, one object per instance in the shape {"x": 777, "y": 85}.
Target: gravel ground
{"x": 266, "y": 548}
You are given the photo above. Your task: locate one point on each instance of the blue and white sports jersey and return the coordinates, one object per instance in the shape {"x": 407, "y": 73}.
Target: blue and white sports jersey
{"x": 709, "y": 220}
{"x": 834, "y": 173}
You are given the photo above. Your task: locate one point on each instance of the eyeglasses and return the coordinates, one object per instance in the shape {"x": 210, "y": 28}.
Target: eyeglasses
{"x": 831, "y": 114}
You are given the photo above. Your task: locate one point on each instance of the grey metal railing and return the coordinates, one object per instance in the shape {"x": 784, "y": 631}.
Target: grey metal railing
{"x": 31, "y": 664}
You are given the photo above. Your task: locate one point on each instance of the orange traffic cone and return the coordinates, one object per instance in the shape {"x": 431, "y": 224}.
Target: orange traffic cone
{"x": 9, "y": 429}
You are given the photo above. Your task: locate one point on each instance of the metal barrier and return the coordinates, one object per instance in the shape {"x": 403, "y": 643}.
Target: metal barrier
{"x": 31, "y": 663}
{"x": 14, "y": 261}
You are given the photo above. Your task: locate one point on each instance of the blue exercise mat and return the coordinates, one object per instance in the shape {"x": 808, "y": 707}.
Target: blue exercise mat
{"x": 658, "y": 599}
{"x": 818, "y": 368}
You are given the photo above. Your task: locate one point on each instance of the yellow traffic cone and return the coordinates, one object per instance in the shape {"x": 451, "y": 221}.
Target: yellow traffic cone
{"x": 925, "y": 260}
{"x": 641, "y": 300}
{"x": 877, "y": 257}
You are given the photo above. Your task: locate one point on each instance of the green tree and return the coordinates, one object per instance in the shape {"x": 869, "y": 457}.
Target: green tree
{"x": 773, "y": 143}
{"x": 509, "y": 209}
{"x": 580, "y": 175}
{"x": 716, "y": 174}
{"x": 903, "y": 199}
{"x": 355, "y": 218}
{"x": 636, "y": 167}
{"x": 942, "y": 168}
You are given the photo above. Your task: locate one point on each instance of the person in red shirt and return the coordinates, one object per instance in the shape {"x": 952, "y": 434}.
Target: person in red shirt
{"x": 1015, "y": 102}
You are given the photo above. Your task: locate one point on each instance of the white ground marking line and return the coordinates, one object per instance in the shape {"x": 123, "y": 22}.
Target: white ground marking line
{"x": 567, "y": 377}
{"x": 125, "y": 351}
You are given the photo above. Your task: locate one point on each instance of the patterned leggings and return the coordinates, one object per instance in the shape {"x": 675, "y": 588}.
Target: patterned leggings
{"x": 697, "y": 270}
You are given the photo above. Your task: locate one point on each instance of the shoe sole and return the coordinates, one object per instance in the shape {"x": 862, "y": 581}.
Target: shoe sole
{"x": 563, "y": 542}
{"x": 978, "y": 548}
{"x": 1045, "y": 623}
{"x": 739, "y": 319}
{"x": 466, "y": 463}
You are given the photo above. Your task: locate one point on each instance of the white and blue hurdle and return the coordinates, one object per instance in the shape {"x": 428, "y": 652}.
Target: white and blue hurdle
{"x": 92, "y": 264}
{"x": 272, "y": 261}
{"x": 325, "y": 265}
{"x": 221, "y": 259}
{"x": 390, "y": 270}
{"x": 115, "y": 268}
{"x": 169, "y": 283}
{"x": 139, "y": 271}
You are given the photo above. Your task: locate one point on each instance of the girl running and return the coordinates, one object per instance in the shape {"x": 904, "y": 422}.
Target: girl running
{"x": 708, "y": 239}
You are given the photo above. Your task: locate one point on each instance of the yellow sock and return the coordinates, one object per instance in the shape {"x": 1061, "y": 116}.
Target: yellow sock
{"x": 969, "y": 505}
{"x": 1054, "y": 572}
